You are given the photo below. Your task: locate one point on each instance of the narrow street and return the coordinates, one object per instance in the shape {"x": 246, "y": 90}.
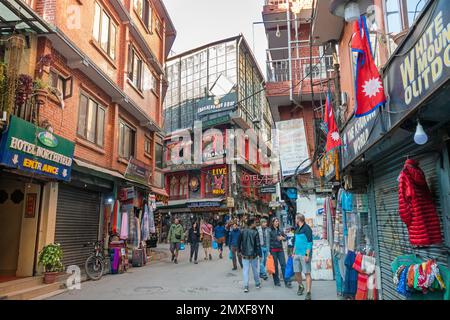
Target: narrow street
{"x": 209, "y": 280}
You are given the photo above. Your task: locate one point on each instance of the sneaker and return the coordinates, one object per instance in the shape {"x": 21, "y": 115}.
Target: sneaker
{"x": 246, "y": 289}
{"x": 278, "y": 284}
{"x": 308, "y": 296}
{"x": 301, "y": 289}
{"x": 220, "y": 256}
{"x": 288, "y": 285}
{"x": 173, "y": 257}
{"x": 258, "y": 286}
{"x": 266, "y": 278}
{"x": 190, "y": 260}
{"x": 210, "y": 257}
{"x": 175, "y": 261}
{"x": 195, "y": 262}
{"x": 234, "y": 269}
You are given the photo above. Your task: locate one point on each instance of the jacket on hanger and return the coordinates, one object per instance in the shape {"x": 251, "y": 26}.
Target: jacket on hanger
{"x": 416, "y": 206}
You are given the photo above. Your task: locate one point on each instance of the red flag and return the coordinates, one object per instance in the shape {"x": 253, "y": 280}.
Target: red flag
{"x": 369, "y": 87}
{"x": 333, "y": 137}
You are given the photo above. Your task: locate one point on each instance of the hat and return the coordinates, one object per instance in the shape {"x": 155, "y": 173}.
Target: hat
{"x": 263, "y": 220}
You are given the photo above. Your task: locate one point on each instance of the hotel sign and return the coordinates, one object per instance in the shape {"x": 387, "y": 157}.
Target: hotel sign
{"x": 27, "y": 147}
{"x": 208, "y": 106}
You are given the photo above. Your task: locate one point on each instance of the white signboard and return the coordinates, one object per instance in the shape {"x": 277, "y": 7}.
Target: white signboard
{"x": 321, "y": 264}
{"x": 292, "y": 146}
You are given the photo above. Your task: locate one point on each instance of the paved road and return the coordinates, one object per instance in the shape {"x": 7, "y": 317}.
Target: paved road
{"x": 209, "y": 280}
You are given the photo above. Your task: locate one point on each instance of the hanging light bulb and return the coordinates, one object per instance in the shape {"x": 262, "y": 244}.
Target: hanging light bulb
{"x": 278, "y": 33}
{"x": 352, "y": 11}
{"x": 420, "y": 137}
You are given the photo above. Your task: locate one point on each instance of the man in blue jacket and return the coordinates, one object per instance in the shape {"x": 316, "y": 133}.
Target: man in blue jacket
{"x": 234, "y": 245}
{"x": 303, "y": 243}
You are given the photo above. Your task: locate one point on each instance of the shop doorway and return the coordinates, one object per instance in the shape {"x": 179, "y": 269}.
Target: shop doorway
{"x": 11, "y": 206}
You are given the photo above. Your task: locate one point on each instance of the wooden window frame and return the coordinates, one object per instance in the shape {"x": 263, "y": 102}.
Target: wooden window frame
{"x": 67, "y": 82}
{"x": 111, "y": 54}
{"x": 99, "y": 106}
{"x": 124, "y": 123}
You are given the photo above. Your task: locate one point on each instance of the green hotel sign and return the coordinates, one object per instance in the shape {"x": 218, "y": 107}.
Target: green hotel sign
{"x": 215, "y": 122}
{"x": 27, "y": 147}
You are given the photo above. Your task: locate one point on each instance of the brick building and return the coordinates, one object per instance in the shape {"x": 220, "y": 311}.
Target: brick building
{"x": 101, "y": 64}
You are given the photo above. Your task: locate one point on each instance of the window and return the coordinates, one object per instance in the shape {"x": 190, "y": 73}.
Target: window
{"x": 104, "y": 31}
{"x": 174, "y": 187}
{"x": 64, "y": 85}
{"x": 91, "y": 120}
{"x": 159, "y": 156}
{"x": 144, "y": 11}
{"x": 150, "y": 81}
{"x": 127, "y": 138}
{"x": 148, "y": 146}
{"x": 401, "y": 14}
{"x": 158, "y": 26}
{"x": 184, "y": 187}
{"x": 135, "y": 68}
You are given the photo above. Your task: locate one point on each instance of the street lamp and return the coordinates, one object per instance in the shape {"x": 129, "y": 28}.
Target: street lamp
{"x": 350, "y": 10}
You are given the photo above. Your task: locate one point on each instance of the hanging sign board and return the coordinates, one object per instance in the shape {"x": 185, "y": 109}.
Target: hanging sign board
{"x": 268, "y": 189}
{"x": 209, "y": 105}
{"x": 27, "y": 147}
{"x": 138, "y": 171}
{"x": 422, "y": 64}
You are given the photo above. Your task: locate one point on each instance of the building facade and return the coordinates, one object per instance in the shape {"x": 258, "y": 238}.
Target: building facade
{"x": 212, "y": 90}
{"x": 100, "y": 68}
{"x": 376, "y": 147}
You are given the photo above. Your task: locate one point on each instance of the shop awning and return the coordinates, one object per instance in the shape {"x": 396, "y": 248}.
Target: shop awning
{"x": 17, "y": 17}
{"x": 161, "y": 192}
{"x": 93, "y": 167}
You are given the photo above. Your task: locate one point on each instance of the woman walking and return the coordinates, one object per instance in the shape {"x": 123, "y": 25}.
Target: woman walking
{"x": 206, "y": 232}
{"x": 219, "y": 234}
{"x": 277, "y": 251}
{"x": 194, "y": 239}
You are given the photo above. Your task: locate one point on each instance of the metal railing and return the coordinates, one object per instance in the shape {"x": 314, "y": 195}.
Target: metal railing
{"x": 278, "y": 70}
{"x": 275, "y": 2}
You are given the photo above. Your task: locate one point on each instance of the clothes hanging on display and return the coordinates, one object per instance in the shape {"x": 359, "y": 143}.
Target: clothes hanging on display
{"x": 145, "y": 230}
{"x": 114, "y": 218}
{"x": 124, "y": 227}
{"x": 416, "y": 206}
{"x": 351, "y": 276}
{"x": 366, "y": 287}
{"x": 152, "y": 227}
{"x": 338, "y": 275}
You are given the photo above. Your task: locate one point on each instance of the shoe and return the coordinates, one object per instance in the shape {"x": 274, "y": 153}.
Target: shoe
{"x": 173, "y": 257}
{"x": 175, "y": 261}
{"x": 277, "y": 284}
{"x": 288, "y": 285}
{"x": 258, "y": 286}
{"x": 308, "y": 296}
{"x": 190, "y": 260}
{"x": 195, "y": 262}
{"x": 300, "y": 290}
{"x": 234, "y": 269}
{"x": 206, "y": 258}
{"x": 266, "y": 278}
{"x": 245, "y": 289}
{"x": 210, "y": 257}
{"x": 220, "y": 256}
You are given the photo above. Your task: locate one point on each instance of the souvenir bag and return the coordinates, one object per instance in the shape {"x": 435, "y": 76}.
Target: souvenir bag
{"x": 289, "y": 272}
{"x": 230, "y": 255}
{"x": 270, "y": 265}
{"x": 182, "y": 246}
{"x": 214, "y": 245}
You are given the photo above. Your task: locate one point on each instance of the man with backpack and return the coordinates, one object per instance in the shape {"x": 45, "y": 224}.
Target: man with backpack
{"x": 176, "y": 236}
{"x": 303, "y": 244}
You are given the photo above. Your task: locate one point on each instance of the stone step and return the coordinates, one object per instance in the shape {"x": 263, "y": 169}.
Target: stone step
{"x": 49, "y": 295}
{"x": 19, "y": 284}
{"x": 36, "y": 291}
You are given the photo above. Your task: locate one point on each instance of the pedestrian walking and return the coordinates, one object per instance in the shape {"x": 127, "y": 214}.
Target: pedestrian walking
{"x": 206, "y": 232}
{"x": 235, "y": 233}
{"x": 303, "y": 244}
{"x": 219, "y": 235}
{"x": 290, "y": 241}
{"x": 194, "y": 240}
{"x": 176, "y": 233}
{"x": 264, "y": 238}
{"x": 250, "y": 249}
{"x": 277, "y": 251}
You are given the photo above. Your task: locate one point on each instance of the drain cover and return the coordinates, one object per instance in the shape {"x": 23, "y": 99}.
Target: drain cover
{"x": 149, "y": 290}
{"x": 230, "y": 275}
{"x": 195, "y": 290}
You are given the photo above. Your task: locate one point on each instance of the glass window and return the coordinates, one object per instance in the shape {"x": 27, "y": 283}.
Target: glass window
{"x": 104, "y": 31}
{"x": 393, "y": 16}
{"x": 91, "y": 120}
{"x": 136, "y": 72}
{"x": 159, "y": 156}
{"x": 415, "y": 7}
{"x": 148, "y": 147}
{"x": 127, "y": 138}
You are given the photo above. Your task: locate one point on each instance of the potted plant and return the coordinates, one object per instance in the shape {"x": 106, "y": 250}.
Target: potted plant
{"x": 24, "y": 89}
{"x": 40, "y": 91}
{"x": 50, "y": 258}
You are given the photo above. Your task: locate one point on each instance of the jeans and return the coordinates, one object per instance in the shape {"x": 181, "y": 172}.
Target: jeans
{"x": 278, "y": 257}
{"x": 246, "y": 270}
{"x": 263, "y": 261}
{"x": 194, "y": 250}
{"x": 236, "y": 256}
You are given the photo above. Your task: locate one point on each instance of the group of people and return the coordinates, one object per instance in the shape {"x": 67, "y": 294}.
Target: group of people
{"x": 250, "y": 246}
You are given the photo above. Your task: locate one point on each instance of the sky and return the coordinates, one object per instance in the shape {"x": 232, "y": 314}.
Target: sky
{"x": 199, "y": 22}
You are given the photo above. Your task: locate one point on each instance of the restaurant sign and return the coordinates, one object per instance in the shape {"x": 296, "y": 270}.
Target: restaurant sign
{"x": 268, "y": 189}
{"x": 138, "y": 171}
{"x": 27, "y": 147}
{"x": 422, "y": 63}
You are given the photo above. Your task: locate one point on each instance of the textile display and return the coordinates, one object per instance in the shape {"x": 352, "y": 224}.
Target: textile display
{"x": 114, "y": 218}
{"x": 338, "y": 275}
{"x": 351, "y": 276}
{"x": 124, "y": 227}
{"x": 151, "y": 220}
{"x": 145, "y": 230}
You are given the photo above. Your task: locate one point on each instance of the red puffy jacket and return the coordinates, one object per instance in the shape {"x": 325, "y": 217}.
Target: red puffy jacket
{"x": 416, "y": 206}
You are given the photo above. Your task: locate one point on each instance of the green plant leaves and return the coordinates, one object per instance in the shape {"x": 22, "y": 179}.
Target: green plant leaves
{"x": 50, "y": 257}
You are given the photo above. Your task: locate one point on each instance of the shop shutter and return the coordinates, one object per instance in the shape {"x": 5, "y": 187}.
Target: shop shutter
{"x": 77, "y": 222}
{"x": 392, "y": 233}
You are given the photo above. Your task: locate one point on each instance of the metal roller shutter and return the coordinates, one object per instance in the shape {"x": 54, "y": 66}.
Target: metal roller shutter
{"x": 77, "y": 222}
{"x": 392, "y": 233}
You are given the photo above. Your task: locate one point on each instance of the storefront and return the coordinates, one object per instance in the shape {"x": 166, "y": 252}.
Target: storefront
{"x": 31, "y": 158}
{"x": 377, "y": 147}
